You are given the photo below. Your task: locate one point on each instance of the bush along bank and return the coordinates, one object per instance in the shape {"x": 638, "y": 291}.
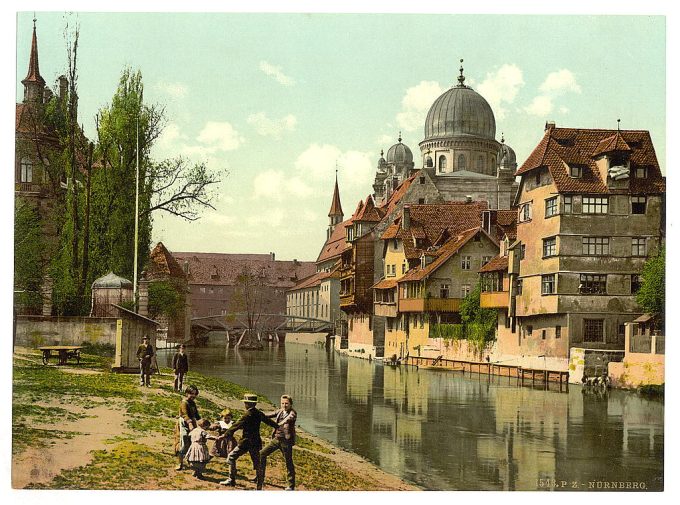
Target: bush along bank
{"x": 84, "y": 427}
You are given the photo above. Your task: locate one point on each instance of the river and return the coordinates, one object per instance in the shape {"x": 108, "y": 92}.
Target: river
{"x": 448, "y": 431}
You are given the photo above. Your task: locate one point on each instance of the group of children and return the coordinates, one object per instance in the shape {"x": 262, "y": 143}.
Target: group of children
{"x": 198, "y": 454}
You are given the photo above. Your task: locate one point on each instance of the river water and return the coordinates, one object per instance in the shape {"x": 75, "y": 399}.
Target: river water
{"x": 448, "y": 431}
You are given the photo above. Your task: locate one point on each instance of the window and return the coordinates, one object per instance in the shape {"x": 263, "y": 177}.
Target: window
{"x": 519, "y": 286}
{"x": 421, "y": 201}
{"x": 595, "y": 246}
{"x": 480, "y": 164}
{"x": 390, "y": 323}
{"x": 202, "y": 289}
{"x": 486, "y": 259}
{"x": 548, "y": 284}
{"x": 551, "y": 206}
{"x": 566, "y": 204}
{"x": 538, "y": 178}
{"x": 593, "y": 284}
{"x": 403, "y": 268}
{"x": 522, "y": 251}
{"x": 530, "y": 330}
{"x": 595, "y": 205}
{"x": 464, "y": 290}
{"x": 549, "y": 246}
{"x": 639, "y": 246}
{"x": 421, "y": 179}
{"x": 593, "y": 330}
{"x": 542, "y": 334}
{"x": 462, "y": 164}
{"x": 558, "y": 331}
{"x": 465, "y": 263}
{"x": 525, "y": 212}
{"x": 575, "y": 171}
{"x": 641, "y": 173}
{"x": 26, "y": 170}
{"x": 634, "y": 284}
{"x": 638, "y": 204}
{"x": 444, "y": 290}
{"x": 428, "y": 161}
{"x": 422, "y": 320}
{"x": 442, "y": 163}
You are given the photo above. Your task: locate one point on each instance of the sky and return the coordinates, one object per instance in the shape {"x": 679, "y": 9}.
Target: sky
{"x": 280, "y": 100}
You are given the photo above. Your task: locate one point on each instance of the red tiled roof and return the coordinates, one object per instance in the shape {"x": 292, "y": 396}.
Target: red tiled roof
{"x": 385, "y": 284}
{"x": 506, "y": 224}
{"x": 442, "y": 255}
{"x": 221, "y": 269}
{"x": 312, "y": 280}
{"x": 430, "y": 221}
{"x": 336, "y": 243}
{"x": 561, "y": 147}
{"x": 398, "y": 194}
{"x": 497, "y": 263}
{"x": 163, "y": 264}
{"x": 611, "y": 144}
{"x": 368, "y": 211}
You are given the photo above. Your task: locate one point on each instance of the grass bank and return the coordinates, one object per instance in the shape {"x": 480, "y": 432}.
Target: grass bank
{"x": 84, "y": 427}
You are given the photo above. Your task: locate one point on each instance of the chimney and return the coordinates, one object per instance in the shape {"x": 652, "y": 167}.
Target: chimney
{"x": 63, "y": 87}
{"x": 468, "y": 198}
{"x": 272, "y": 256}
{"x": 406, "y": 217}
{"x": 549, "y": 125}
{"x": 296, "y": 262}
{"x": 47, "y": 94}
{"x": 186, "y": 267}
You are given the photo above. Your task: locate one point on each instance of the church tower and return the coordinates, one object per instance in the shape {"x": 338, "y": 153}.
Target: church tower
{"x": 335, "y": 215}
{"x": 34, "y": 84}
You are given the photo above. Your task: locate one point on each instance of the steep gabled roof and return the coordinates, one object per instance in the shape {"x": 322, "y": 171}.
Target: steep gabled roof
{"x": 163, "y": 264}
{"x": 336, "y": 243}
{"x": 561, "y": 147}
{"x": 497, "y": 264}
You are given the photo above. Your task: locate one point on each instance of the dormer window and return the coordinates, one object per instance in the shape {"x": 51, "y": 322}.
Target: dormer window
{"x": 641, "y": 173}
{"x": 618, "y": 160}
{"x": 575, "y": 171}
{"x": 213, "y": 273}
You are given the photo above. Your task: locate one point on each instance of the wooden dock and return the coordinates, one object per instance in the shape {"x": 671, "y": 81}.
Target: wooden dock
{"x": 523, "y": 375}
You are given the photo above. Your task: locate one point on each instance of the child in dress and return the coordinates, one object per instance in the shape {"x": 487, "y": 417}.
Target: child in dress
{"x": 198, "y": 455}
{"x": 224, "y": 443}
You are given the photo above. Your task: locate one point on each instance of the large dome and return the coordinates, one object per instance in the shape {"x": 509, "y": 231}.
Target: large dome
{"x": 460, "y": 111}
{"x": 399, "y": 153}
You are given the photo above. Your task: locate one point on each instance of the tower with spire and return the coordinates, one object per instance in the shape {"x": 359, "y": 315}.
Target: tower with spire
{"x": 34, "y": 84}
{"x": 335, "y": 215}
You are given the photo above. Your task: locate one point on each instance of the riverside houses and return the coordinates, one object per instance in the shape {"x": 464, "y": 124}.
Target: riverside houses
{"x": 590, "y": 212}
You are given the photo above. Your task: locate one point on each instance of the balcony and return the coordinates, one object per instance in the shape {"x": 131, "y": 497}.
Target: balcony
{"x": 429, "y": 304}
{"x": 494, "y": 300}
{"x": 385, "y": 309}
{"x": 347, "y": 300}
{"x": 27, "y": 187}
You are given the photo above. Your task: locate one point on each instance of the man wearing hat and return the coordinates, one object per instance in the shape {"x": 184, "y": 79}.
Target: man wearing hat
{"x": 250, "y": 441}
{"x": 180, "y": 365}
{"x": 144, "y": 355}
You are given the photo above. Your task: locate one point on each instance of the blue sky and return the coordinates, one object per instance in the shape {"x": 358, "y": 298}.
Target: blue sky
{"x": 279, "y": 99}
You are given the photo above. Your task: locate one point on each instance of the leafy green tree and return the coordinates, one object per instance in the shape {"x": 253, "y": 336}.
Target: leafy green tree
{"x": 165, "y": 298}
{"x": 652, "y": 294}
{"x": 479, "y": 324}
{"x": 29, "y": 244}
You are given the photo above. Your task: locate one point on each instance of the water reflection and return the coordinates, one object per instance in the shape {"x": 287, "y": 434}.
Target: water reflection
{"x": 443, "y": 430}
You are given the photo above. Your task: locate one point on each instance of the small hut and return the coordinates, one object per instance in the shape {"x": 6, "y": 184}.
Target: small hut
{"x": 108, "y": 290}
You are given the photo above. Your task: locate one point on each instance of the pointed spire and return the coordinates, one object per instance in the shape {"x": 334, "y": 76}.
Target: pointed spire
{"x": 33, "y": 67}
{"x": 336, "y": 208}
{"x": 461, "y": 77}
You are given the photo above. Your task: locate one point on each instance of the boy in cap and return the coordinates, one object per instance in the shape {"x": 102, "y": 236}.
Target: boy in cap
{"x": 250, "y": 441}
{"x": 144, "y": 355}
{"x": 180, "y": 364}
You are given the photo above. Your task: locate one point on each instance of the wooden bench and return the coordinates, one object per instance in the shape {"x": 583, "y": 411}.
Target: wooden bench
{"x": 62, "y": 352}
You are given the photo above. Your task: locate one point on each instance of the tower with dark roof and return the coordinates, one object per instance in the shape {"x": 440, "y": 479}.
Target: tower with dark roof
{"x": 34, "y": 84}
{"x": 335, "y": 215}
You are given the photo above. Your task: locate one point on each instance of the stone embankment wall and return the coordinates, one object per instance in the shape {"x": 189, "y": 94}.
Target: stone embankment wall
{"x": 35, "y": 331}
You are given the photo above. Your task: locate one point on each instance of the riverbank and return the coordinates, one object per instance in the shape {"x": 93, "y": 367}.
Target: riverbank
{"x": 84, "y": 427}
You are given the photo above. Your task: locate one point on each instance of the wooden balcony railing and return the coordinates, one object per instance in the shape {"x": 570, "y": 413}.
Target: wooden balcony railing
{"x": 429, "y": 304}
{"x": 494, "y": 299}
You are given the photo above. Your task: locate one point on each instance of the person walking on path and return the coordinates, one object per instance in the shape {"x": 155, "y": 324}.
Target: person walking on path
{"x": 250, "y": 441}
{"x": 198, "y": 455}
{"x": 144, "y": 354}
{"x": 186, "y": 422}
{"x": 180, "y": 364}
{"x": 283, "y": 439}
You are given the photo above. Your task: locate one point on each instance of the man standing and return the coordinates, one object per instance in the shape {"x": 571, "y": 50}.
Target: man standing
{"x": 144, "y": 354}
{"x": 250, "y": 441}
{"x": 283, "y": 438}
{"x": 180, "y": 364}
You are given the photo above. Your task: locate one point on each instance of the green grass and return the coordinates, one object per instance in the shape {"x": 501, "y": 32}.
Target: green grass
{"x": 24, "y": 436}
{"x": 48, "y": 415}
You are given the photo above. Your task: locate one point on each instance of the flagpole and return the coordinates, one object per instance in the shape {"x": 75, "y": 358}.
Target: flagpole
{"x": 134, "y": 282}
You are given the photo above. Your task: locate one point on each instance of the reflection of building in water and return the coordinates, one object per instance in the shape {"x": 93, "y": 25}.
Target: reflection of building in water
{"x": 359, "y": 381}
{"x": 406, "y": 389}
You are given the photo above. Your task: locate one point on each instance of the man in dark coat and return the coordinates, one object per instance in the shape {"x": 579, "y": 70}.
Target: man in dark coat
{"x": 180, "y": 364}
{"x": 250, "y": 441}
{"x": 144, "y": 354}
{"x": 283, "y": 439}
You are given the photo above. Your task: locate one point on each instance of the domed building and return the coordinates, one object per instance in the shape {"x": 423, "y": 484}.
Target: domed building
{"x": 392, "y": 170}
{"x": 460, "y": 152}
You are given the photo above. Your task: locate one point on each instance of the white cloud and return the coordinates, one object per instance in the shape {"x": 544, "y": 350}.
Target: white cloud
{"x": 220, "y": 136}
{"x": 276, "y": 185}
{"x": 386, "y": 140}
{"x": 276, "y": 73}
{"x": 174, "y": 89}
{"x": 564, "y": 110}
{"x": 218, "y": 219}
{"x": 272, "y": 127}
{"x": 540, "y": 106}
{"x": 270, "y": 217}
{"x": 501, "y": 87}
{"x": 416, "y": 103}
{"x": 319, "y": 163}
{"x": 562, "y": 81}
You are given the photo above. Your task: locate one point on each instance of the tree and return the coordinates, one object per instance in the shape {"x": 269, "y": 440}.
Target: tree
{"x": 652, "y": 294}
{"x": 479, "y": 325}
{"x": 28, "y": 261}
{"x": 249, "y": 300}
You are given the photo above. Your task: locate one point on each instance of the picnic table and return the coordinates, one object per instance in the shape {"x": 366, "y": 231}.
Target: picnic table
{"x": 63, "y": 353}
